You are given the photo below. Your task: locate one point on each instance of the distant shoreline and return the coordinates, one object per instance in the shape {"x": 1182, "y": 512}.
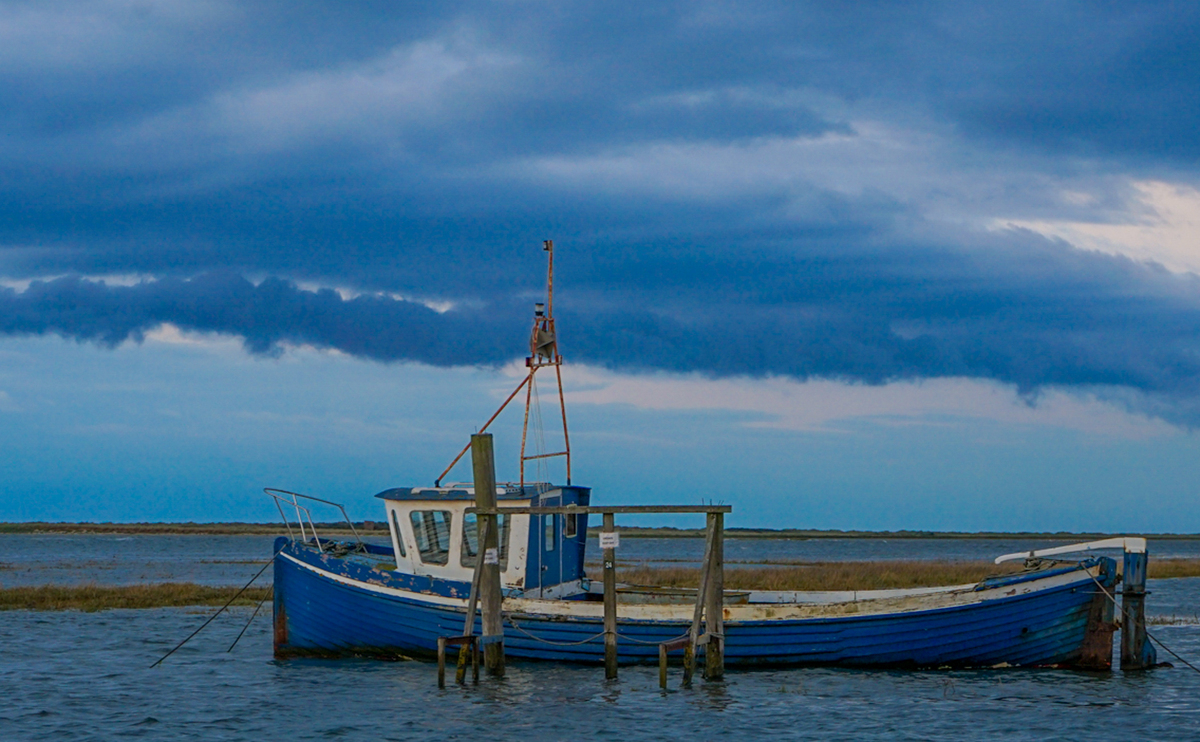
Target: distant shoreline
{"x": 377, "y": 528}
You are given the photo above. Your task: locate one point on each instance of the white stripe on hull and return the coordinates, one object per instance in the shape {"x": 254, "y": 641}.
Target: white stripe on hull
{"x": 889, "y": 603}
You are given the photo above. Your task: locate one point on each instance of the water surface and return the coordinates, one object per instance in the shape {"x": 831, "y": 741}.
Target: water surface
{"x": 81, "y": 676}
{"x": 86, "y": 676}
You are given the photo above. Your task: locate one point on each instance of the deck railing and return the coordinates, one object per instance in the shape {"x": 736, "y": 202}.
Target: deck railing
{"x": 292, "y": 500}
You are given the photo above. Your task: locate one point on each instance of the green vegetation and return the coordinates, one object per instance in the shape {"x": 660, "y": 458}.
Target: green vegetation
{"x": 105, "y": 597}
{"x": 1165, "y": 568}
{"x": 825, "y": 575}
{"x": 810, "y": 576}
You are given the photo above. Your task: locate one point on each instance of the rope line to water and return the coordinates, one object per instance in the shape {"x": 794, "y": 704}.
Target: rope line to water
{"x": 222, "y": 609}
{"x": 257, "y": 608}
{"x": 1124, "y": 615}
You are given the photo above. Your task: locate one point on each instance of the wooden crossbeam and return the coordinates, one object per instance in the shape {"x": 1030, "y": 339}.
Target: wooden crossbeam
{"x": 600, "y": 509}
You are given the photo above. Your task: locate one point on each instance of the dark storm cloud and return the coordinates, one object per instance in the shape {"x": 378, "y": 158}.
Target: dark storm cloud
{"x": 405, "y": 151}
{"x": 1065, "y": 319}
{"x": 266, "y": 316}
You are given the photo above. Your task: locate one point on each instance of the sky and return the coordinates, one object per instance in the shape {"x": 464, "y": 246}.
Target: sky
{"x": 923, "y": 266}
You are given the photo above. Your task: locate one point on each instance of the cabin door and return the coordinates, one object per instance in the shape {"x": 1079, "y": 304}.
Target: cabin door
{"x": 547, "y": 537}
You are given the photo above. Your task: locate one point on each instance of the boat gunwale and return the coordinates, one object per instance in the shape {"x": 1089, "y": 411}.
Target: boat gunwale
{"x": 950, "y": 597}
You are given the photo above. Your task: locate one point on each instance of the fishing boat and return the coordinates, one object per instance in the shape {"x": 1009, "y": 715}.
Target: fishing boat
{"x": 405, "y": 598}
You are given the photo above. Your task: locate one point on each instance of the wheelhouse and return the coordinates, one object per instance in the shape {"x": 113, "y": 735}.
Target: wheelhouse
{"x": 540, "y": 555}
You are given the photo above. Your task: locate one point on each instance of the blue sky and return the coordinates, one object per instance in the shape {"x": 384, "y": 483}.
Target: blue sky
{"x": 852, "y": 266}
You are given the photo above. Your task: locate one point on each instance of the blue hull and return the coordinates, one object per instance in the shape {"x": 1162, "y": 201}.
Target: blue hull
{"x": 335, "y": 608}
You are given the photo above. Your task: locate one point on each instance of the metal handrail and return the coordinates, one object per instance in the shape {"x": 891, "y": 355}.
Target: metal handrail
{"x": 301, "y": 511}
{"x": 282, "y": 497}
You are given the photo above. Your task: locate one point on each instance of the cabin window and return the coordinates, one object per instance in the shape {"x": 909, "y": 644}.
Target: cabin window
{"x": 548, "y": 538}
{"x": 470, "y": 540}
{"x": 399, "y": 534}
{"x": 569, "y": 526}
{"x": 432, "y": 529}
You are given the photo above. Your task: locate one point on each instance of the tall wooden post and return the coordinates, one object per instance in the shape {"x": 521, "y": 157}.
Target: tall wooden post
{"x": 610, "y": 603}
{"x": 714, "y": 650}
{"x": 1137, "y": 653}
{"x": 1096, "y": 653}
{"x": 484, "y": 464}
{"x": 441, "y": 649}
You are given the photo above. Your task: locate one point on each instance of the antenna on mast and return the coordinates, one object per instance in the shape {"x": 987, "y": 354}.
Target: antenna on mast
{"x": 543, "y": 352}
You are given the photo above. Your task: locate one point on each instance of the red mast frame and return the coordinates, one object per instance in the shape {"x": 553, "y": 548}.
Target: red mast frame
{"x": 543, "y": 353}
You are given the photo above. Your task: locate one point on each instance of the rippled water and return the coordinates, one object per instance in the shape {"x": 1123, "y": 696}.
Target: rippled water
{"x": 85, "y": 676}
{"x": 81, "y": 676}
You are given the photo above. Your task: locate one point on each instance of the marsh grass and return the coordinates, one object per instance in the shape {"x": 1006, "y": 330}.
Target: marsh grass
{"x": 104, "y": 597}
{"x": 810, "y": 576}
{"x": 1166, "y": 568}
{"x": 826, "y": 575}
{"x": 880, "y": 575}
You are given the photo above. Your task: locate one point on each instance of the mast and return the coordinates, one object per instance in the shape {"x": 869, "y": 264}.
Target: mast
{"x": 543, "y": 353}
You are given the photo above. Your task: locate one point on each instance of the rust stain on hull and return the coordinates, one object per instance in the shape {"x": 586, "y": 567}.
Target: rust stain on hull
{"x": 281, "y": 632}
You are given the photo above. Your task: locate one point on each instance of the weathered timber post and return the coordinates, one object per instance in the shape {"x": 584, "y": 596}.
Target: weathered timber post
{"x": 441, "y": 651}
{"x": 610, "y": 603}
{"x": 1137, "y": 653}
{"x": 693, "y": 635}
{"x": 714, "y": 649}
{"x": 484, "y": 465}
{"x": 472, "y": 646}
{"x": 1097, "y": 650}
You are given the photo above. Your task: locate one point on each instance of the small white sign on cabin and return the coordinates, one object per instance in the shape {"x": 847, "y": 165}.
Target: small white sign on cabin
{"x": 610, "y": 539}
{"x": 491, "y": 556}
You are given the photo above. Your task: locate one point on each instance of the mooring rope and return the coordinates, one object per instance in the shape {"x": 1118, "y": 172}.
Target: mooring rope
{"x": 257, "y": 608}
{"x": 554, "y": 643}
{"x": 222, "y": 610}
{"x": 1124, "y": 615}
{"x": 591, "y": 638}
{"x": 643, "y": 641}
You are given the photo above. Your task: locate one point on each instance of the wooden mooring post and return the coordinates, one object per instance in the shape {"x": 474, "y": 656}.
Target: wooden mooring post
{"x": 1137, "y": 652}
{"x": 714, "y": 620}
{"x": 460, "y": 673}
{"x": 468, "y": 644}
{"x": 1097, "y": 650}
{"x": 490, "y": 596}
{"x": 610, "y": 601}
{"x": 709, "y": 610}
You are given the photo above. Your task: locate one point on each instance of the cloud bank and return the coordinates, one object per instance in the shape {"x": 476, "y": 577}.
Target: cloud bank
{"x": 783, "y": 190}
